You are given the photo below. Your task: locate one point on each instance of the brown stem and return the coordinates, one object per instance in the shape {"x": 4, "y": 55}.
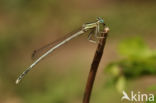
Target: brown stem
{"x": 94, "y": 66}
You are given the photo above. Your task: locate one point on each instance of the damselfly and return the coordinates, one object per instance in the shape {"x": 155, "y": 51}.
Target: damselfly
{"x": 94, "y": 28}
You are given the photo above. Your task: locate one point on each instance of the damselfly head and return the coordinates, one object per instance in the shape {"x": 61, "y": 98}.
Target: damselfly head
{"x": 100, "y": 20}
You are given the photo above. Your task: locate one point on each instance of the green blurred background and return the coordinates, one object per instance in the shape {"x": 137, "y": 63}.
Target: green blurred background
{"x": 26, "y": 25}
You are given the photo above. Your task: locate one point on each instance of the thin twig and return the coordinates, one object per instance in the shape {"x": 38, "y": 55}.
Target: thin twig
{"x": 94, "y": 65}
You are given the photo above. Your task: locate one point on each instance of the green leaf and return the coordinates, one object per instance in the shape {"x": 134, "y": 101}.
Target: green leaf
{"x": 134, "y": 47}
{"x": 120, "y": 84}
{"x": 113, "y": 69}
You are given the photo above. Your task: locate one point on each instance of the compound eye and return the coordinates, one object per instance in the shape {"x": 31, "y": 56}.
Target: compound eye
{"x": 100, "y": 20}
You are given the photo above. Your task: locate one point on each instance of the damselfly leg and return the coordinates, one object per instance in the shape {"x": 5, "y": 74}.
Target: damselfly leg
{"x": 90, "y": 35}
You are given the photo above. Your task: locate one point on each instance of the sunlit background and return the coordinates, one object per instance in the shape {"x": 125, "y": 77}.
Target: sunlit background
{"x": 26, "y": 25}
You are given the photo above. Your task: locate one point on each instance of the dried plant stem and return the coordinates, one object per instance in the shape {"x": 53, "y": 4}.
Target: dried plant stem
{"x": 94, "y": 65}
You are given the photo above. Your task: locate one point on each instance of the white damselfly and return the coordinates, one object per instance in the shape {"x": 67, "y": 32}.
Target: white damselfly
{"x": 94, "y": 28}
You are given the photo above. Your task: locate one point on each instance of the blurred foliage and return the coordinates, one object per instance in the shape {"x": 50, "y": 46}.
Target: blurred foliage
{"x": 152, "y": 88}
{"x": 138, "y": 60}
{"x": 63, "y": 90}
